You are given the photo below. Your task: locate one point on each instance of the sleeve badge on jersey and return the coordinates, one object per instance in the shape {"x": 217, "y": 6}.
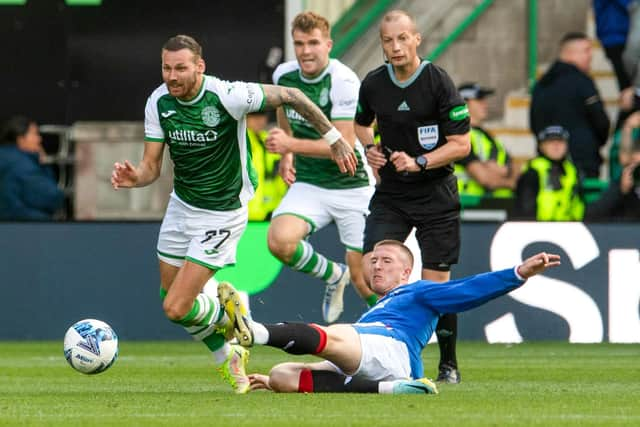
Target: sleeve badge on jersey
{"x": 458, "y": 113}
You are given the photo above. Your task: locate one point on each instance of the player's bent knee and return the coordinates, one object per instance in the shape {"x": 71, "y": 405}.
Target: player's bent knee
{"x": 175, "y": 310}
{"x": 284, "y": 378}
{"x": 273, "y": 242}
{"x": 280, "y": 247}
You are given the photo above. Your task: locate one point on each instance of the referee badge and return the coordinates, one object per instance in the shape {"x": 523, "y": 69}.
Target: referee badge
{"x": 428, "y": 136}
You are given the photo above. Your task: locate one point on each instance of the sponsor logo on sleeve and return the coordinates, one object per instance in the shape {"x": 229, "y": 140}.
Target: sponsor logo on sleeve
{"x": 346, "y": 102}
{"x": 251, "y": 94}
{"x": 458, "y": 113}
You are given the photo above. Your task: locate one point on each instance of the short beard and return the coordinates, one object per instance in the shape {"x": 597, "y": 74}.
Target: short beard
{"x": 192, "y": 86}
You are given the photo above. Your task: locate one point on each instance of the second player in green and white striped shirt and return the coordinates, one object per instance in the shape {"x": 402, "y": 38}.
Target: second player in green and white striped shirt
{"x": 201, "y": 119}
{"x": 319, "y": 194}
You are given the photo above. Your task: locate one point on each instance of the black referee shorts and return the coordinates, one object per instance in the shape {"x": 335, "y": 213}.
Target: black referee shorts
{"x": 435, "y": 213}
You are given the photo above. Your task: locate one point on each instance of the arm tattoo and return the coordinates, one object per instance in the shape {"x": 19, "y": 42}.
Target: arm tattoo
{"x": 280, "y": 95}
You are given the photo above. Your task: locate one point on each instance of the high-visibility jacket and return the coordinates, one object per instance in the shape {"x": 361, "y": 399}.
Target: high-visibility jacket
{"x": 271, "y": 187}
{"x": 485, "y": 148}
{"x": 557, "y": 204}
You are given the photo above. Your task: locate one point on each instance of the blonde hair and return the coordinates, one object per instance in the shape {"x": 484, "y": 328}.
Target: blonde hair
{"x": 397, "y": 244}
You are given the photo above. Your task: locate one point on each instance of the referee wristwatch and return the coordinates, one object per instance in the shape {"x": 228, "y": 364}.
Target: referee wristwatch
{"x": 422, "y": 162}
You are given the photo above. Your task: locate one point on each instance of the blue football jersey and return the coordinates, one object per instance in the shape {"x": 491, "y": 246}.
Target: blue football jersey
{"x": 409, "y": 313}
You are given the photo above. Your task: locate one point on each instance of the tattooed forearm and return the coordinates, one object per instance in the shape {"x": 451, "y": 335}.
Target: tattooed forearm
{"x": 277, "y": 96}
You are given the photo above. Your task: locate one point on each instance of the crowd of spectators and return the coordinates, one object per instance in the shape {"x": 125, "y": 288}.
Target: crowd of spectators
{"x": 567, "y": 117}
{"x": 571, "y": 126}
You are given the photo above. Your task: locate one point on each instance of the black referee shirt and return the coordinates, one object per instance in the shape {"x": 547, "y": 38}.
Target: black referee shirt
{"x": 413, "y": 116}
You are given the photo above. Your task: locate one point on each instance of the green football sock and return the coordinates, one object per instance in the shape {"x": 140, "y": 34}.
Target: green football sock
{"x": 371, "y": 300}
{"x": 198, "y": 322}
{"x": 307, "y": 260}
{"x": 201, "y": 313}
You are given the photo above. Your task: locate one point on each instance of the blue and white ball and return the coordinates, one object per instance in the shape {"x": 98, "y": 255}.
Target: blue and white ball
{"x": 90, "y": 346}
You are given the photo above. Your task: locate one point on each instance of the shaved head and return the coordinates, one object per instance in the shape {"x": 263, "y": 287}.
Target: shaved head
{"x": 403, "y": 250}
{"x": 576, "y": 49}
{"x": 396, "y": 15}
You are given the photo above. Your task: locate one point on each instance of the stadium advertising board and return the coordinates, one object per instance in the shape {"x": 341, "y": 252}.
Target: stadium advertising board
{"x": 54, "y": 274}
{"x": 593, "y": 297}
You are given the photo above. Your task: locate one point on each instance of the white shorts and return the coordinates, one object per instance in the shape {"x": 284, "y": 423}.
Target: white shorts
{"x": 320, "y": 206}
{"x": 383, "y": 359}
{"x": 208, "y": 238}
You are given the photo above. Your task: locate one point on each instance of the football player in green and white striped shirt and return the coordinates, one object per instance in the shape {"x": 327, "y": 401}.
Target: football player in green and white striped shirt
{"x": 201, "y": 119}
{"x": 319, "y": 194}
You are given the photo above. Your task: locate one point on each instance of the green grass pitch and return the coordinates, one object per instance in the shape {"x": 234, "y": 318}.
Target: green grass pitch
{"x": 175, "y": 384}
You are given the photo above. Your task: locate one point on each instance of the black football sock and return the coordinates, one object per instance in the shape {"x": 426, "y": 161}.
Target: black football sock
{"x": 297, "y": 338}
{"x": 447, "y": 332}
{"x": 333, "y": 382}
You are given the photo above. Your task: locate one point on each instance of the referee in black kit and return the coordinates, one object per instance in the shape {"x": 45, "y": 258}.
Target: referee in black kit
{"x": 424, "y": 126}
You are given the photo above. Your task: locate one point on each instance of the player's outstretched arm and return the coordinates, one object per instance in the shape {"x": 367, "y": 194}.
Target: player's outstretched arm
{"x": 341, "y": 151}
{"x": 537, "y": 264}
{"x": 125, "y": 175}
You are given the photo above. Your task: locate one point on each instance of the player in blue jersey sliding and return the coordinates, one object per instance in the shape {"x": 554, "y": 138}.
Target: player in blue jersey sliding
{"x": 380, "y": 353}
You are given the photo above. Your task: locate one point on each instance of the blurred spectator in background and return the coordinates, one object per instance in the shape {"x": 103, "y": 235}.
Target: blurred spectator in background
{"x": 612, "y": 27}
{"x": 629, "y": 99}
{"x": 487, "y": 170}
{"x": 567, "y": 96}
{"x": 621, "y": 200}
{"x": 268, "y": 66}
{"x": 28, "y": 190}
{"x": 271, "y": 187}
{"x": 549, "y": 187}
{"x": 620, "y": 150}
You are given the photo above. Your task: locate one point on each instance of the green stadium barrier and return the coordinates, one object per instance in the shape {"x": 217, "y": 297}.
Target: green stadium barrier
{"x": 592, "y": 188}
{"x": 470, "y": 201}
{"x": 83, "y": 2}
{"x": 355, "y": 22}
{"x": 67, "y": 2}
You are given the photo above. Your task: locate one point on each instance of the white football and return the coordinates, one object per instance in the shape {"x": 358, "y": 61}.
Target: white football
{"x": 90, "y": 346}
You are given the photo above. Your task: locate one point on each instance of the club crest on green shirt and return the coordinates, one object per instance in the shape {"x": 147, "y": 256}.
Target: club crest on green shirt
{"x": 210, "y": 116}
{"x": 323, "y": 98}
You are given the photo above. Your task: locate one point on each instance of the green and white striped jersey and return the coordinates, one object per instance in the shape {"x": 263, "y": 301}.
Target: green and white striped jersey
{"x": 335, "y": 91}
{"x": 207, "y": 141}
